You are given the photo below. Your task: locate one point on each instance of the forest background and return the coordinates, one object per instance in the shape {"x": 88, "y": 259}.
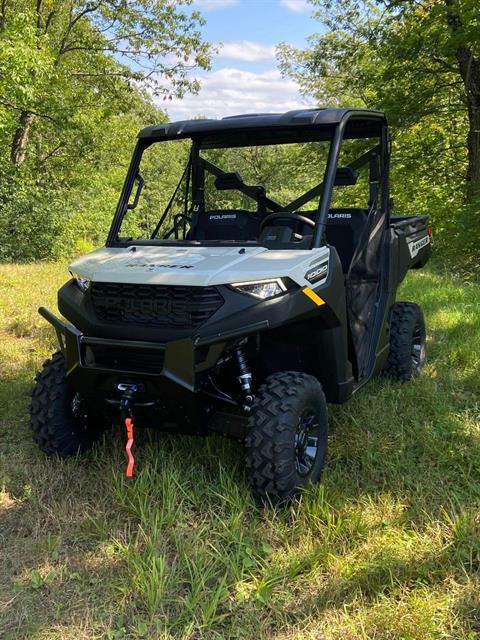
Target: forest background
{"x": 78, "y": 79}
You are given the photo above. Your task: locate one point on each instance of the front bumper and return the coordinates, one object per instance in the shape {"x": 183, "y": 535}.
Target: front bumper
{"x": 97, "y": 365}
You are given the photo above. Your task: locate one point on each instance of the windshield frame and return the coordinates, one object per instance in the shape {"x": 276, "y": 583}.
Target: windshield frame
{"x": 333, "y": 134}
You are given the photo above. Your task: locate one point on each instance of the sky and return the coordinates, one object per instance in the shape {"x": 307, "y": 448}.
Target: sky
{"x": 245, "y": 77}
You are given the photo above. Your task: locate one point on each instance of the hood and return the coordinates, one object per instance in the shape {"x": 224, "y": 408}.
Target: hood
{"x": 194, "y": 266}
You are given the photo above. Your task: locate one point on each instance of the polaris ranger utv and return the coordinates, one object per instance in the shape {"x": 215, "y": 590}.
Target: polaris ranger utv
{"x": 239, "y": 309}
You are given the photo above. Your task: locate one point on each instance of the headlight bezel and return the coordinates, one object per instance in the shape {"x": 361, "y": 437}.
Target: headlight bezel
{"x": 82, "y": 283}
{"x": 242, "y": 287}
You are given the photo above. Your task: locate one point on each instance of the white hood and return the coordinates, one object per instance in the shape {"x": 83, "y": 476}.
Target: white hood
{"x": 196, "y": 266}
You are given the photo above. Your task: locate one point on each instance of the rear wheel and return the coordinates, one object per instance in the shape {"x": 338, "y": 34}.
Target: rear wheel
{"x": 407, "y": 341}
{"x": 59, "y": 418}
{"x": 287, "y": 435}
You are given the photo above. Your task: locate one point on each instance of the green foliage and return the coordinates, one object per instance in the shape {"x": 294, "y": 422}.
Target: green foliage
{"x": 46, "y": 211}
{"x": 403, "y": 57}
{"x": 285, "y": 170}
{"x": 162, "y": 167}
{"x": 76, "y": 80}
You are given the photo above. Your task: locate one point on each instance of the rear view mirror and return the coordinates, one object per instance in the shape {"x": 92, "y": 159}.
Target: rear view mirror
{"x": 345, "y": 176}
{"x": 227, "y": 181}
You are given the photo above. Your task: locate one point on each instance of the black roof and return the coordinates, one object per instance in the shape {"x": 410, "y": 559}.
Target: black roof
{"x": 301, "y": 118}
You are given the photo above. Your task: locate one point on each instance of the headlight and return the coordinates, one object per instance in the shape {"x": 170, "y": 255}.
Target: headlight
{"x": 262, "y": 289}
{"x": 82, "y": 283}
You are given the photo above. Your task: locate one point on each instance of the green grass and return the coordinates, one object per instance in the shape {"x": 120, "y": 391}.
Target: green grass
{"x": 387, "y": 547}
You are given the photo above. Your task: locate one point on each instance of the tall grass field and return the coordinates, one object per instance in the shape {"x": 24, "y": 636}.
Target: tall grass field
{"x": 387, "y": 547}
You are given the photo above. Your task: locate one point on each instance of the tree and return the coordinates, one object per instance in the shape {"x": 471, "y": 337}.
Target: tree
{"x": 463, "y": 19}
{"x": 414, "y": 58}
{"x": 85, "y": 48}
{"x": 77, "y": 81}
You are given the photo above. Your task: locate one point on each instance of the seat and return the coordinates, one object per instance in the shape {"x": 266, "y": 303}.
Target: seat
{"x": 226, "y": 224}
{"x": 343, "y": 231}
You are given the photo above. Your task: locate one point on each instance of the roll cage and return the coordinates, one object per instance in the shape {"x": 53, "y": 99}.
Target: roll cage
{"x": 333, "y": 125}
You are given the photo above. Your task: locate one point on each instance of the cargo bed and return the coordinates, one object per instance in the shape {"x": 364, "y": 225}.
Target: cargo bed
{"x": 410, "y": 243}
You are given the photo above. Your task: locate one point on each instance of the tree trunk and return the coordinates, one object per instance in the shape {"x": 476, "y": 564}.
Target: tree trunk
{"x": 470, "y": 71}
{"x": 469, "y": 68}
{"x": 3, "y": 15}
{"x": 21, "y": 137}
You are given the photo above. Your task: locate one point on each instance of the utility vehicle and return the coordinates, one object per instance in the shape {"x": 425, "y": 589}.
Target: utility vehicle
{"x": 264, "y": 290}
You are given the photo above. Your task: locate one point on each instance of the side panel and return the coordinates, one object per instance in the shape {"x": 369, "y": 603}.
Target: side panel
{"x": 410, "y": 242}
{"x": 332, "y": 345}
{"x": 318, "y": 342}
{"x": 410, "y": 248}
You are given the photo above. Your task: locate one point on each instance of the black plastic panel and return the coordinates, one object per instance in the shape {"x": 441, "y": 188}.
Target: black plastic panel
{"x": 120, "y": 358}
{"x": 167, "y": 306}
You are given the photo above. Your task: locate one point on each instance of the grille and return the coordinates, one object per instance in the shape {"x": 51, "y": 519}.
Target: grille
{"x": 124, "y": 359}
{"x": 175, "y": 306}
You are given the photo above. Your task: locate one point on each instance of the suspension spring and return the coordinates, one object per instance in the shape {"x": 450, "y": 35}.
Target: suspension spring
{"x": 245, "y": 377}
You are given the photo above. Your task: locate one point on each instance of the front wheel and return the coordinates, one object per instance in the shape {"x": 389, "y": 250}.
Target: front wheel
{"x": 287, "y": 435}
{"x": 59, "y": 419}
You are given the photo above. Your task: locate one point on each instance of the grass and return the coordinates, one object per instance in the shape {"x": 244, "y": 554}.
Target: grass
{"x": 387, "y": 547}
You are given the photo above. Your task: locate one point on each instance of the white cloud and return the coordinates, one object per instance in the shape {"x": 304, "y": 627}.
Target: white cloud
{"x": 212, "y": 5}
{"x": 298, "y": 6}
{"x": 246, "y": 50}
{"x": 231, "y": 91}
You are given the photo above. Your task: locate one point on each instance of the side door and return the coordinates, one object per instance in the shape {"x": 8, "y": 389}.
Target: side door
{"x": 365, "y": 248}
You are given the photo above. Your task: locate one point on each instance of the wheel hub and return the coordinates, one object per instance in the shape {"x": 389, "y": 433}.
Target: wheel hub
{"x": 417, "y": 346}
{"x": 76, "y": 404}
{"x": 306, "y": 442}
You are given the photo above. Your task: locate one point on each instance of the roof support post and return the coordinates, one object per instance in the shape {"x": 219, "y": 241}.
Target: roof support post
{"x": 124, "y": 196}
{"x": 328, "y": 182}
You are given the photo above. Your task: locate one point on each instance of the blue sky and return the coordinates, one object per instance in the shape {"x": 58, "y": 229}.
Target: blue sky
{"x": 244, "y": 76}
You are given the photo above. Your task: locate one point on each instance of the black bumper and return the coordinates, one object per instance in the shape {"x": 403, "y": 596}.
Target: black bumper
{"x": 97, "y": 365}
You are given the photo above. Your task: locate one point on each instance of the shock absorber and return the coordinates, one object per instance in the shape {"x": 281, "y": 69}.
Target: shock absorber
{"x": 245, "y": 378}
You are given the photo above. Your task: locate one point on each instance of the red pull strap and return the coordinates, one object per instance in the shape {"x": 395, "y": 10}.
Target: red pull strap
{"x": 128, "y": 448}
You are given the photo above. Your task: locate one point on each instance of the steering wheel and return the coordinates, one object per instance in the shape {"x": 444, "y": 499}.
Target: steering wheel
{"x": 176, "y": 224}
{"x": 286, "y": 215}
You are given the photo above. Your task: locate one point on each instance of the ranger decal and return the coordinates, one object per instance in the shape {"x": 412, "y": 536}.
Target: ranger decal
{"x": 415, "y": 246}
{"x": 156, "y": 267}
